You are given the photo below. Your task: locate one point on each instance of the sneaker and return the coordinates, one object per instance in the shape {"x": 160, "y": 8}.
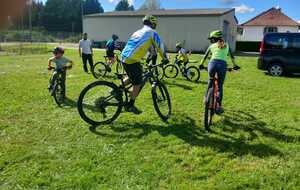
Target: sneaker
{"x": 133, "y": 110}
{"x": 219, "y": 111}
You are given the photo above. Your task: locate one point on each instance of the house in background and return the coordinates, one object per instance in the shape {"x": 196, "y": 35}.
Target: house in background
{"x": 190, "y": 26}
{"x": 272, "y": 20}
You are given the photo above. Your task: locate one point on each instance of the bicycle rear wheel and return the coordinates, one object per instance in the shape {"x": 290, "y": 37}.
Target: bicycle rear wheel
{"x": 170, "y": 71}
{"x": 99, "y": 70}
{"x": 193, "y": 74}
{"x": 209, "y": 109}
{"x": 58, "y": 94}
{"x": 100, "y": 103}
{"x": 161, "y": 101}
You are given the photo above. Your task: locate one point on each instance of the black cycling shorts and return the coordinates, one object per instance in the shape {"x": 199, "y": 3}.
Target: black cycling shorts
{"x": 134, "y": 72}
{"x": 110, "y": 53}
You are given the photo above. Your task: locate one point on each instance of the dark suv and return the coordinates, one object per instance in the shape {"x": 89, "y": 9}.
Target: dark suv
{"x": 280, "y": 53}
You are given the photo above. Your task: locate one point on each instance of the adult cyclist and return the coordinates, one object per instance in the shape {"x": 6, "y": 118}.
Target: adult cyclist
{"x": 218, "y": 50}
{"x": 135, "y": 49}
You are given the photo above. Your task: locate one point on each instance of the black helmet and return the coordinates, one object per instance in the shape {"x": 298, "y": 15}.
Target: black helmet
{"x": 58, "y": 50}
{"x": 115, "y": 37}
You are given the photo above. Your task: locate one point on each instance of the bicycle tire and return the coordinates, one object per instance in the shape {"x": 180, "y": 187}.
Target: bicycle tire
{"x": 171, "y": 71}
{"x": 159, "y": 72}
{"x": 193, "y": 74}
{"x": 209, "y": 110}
{"x": 99, "y": 70}
{"x": 120, "y": 68}
{"x": 58, "y": 94}
{"x": 160, "y": 94}
{"x": 100, "y": 105}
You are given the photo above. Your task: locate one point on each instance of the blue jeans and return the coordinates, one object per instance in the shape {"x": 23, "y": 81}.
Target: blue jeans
{"x": 218, "y": 67}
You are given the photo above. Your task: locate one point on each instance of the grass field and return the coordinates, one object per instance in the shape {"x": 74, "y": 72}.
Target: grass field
{"x": 255, "y": 145}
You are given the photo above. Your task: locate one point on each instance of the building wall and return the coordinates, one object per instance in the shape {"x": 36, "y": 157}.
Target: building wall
{"x": 192, "y": 31}
{"x": 230, "y": 17}
{"x": 256, "y": 33}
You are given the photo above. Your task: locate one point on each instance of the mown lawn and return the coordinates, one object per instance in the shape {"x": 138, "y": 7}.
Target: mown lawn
{"x": 255, "y": 145}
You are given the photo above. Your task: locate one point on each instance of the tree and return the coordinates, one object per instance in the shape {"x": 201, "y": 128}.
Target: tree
{"x": 151, "y": 5}
{"x": 92, "y": 7}
{"x": 123, "y": 5}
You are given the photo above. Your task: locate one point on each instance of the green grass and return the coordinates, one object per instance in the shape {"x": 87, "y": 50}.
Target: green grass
{"x": 255, "y": 145}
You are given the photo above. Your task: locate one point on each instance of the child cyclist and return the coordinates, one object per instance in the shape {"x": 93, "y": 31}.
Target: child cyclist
{"x": 110, "y": 48}
{"x": 61, "y": 65}
{"x": 218, "y": 50}
{"x": 181, "y": 57}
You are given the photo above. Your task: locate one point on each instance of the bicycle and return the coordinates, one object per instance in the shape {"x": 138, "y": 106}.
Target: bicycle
{"x": 100, "y": 69}
{"x": 191, "y": 73}
{"x": 101, "y": 102}
{"x": 57, "y": 89}
{"x": 211, "y": 100}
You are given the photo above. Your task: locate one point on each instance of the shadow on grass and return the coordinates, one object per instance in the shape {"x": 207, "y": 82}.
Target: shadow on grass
{"x": 184, "y": 127}
{"x": 69, "y": 103}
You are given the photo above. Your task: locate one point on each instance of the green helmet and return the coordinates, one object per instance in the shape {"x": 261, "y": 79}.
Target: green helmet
{"x": 216, "y": 34}
{"x": 178, "y": 45}
{"x": 149, "y": 19}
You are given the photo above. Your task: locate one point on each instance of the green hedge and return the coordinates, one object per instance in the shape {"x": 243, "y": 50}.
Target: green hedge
{"x": 248, "y": 46}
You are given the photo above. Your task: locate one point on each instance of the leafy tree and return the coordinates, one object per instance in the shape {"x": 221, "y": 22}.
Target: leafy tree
{"x": 123, "y": 5}
{"x": 92, "y": 6}
{"x": 151, "y": 5}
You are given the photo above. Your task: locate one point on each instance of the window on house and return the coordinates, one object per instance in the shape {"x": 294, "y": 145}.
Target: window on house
{"x": 270, "y": 30}
{"x": 240, "y": 31}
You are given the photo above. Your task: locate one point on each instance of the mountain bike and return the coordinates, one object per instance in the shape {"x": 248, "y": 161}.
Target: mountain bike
{"x": 101, "y": 102}
{"x": 57, "y": 88}
{"x": 191, "y": 73}
{"x": 211, "y": 101}
{"x": 100, "y": 69}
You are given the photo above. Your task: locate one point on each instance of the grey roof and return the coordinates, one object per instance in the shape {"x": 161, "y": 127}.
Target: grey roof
{"x": 165, "y": 12}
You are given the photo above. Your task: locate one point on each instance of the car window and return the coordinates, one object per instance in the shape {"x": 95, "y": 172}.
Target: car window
{"x": 296, "y": 42}
{"x": 277, "y": 42}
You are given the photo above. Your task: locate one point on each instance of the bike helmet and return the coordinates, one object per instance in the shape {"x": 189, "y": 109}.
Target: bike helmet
{"x": 58, "y": 50}
{"x": 178, "y": 45}
{"x": 216, "y": 34}
{"x": 150, "y": 20}
{"x": 115, "y": 37}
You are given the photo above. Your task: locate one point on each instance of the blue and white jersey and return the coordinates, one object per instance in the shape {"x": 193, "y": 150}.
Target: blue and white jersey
{"x": 139, "y": 43}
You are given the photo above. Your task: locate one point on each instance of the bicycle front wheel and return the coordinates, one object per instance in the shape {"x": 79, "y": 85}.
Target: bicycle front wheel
{"x": 161, "y": 101}
{"x": 100, "y": 103}
{"x": 159, "y": 73}
{"x": 99, "y": 70}
{"x": 58, "y": 94}
{"x": 193, "y": 74}
{"x": 209, "y": 109}
{"x": 171, "y": 71}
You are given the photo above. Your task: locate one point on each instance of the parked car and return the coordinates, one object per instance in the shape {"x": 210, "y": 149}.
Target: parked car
{"x": 280, "y": 53}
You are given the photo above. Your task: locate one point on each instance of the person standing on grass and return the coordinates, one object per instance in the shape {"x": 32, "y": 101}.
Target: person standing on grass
{"x": 86, "y": 52}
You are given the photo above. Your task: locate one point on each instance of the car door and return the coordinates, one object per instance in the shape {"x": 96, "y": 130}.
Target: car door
{"x": 295, "y": 55}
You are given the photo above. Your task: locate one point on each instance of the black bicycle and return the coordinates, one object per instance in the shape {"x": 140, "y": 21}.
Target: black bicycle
{"x": 101, "y": 102}
{"x": 211, "y": 100}
{"x": 191, "y": 73}
{"x": 100, "y": 69}
{"x": 57, "y": 89}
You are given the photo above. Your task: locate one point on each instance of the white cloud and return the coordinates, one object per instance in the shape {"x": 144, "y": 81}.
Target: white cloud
{"x": 116, "y": 1}
{"x": 244, "y": 9}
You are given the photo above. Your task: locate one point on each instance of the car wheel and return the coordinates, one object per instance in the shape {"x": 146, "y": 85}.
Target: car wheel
{"x": 276, "y": 70}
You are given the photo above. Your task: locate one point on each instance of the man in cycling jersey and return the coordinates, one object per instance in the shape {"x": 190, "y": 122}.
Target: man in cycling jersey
{"x": 219, "y": 51}
{"x": 135, "y": 49}
{"x": 110, "y": 48}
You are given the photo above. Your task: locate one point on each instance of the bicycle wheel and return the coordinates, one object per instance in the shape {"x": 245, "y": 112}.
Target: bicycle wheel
{"x": 99, "y": 70}
{"x": 58, "y": 94}
{"x": 100, "y": 103}
{"x": 159, "y": 72}
{"x": 171, "y": 71}
{"x": 120, "y": 68}
{"x": 193, "y": 74}
{"x": 161, "y": 101}
{"x": 209, "y": 109}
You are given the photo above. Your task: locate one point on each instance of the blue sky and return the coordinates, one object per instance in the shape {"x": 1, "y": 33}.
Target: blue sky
{"x": 246, "y": 9}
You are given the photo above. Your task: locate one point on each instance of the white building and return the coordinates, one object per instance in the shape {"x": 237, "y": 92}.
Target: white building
{"x": 190, "y": 26}
{"x": 272, "y": 20}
